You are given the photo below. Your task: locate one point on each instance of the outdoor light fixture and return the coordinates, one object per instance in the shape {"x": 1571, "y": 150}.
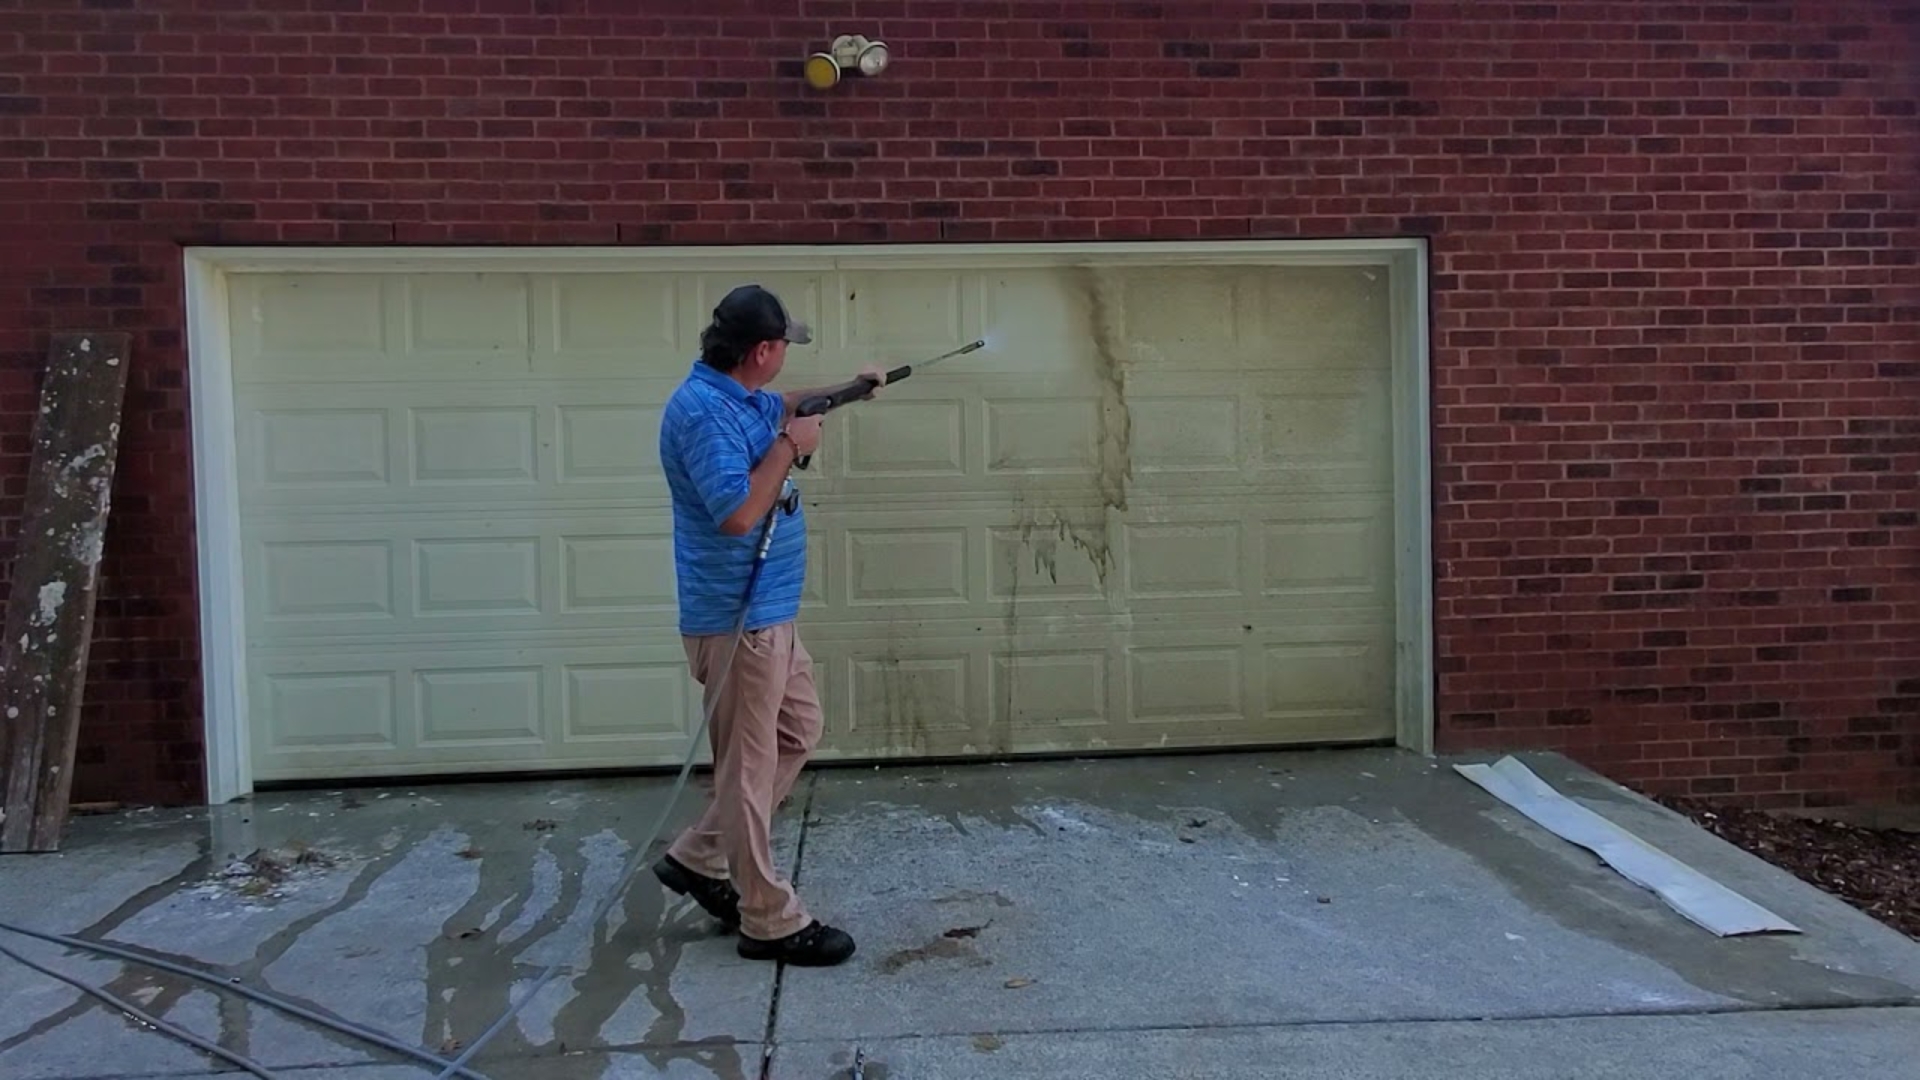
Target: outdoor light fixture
{"x": 847, "y": 51}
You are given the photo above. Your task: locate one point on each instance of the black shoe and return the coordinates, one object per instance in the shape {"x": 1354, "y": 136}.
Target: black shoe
{"x": 717, "y": 898}
{"x": 818, "y": 945}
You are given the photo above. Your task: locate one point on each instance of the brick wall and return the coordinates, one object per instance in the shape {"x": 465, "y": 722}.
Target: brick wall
{"x": 1676, "y": 330}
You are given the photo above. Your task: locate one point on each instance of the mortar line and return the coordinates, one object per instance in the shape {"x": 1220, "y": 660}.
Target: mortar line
{"x": 780, "y": 969}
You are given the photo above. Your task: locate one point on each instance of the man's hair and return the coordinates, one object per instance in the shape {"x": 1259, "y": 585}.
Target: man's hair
{"x": 721, "y": 352}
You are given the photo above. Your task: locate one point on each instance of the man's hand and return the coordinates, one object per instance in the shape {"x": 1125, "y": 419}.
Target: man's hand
{"x": 769, "y": 474}
{"x": 805, "y": 433}
{"x": 876, "y": 375}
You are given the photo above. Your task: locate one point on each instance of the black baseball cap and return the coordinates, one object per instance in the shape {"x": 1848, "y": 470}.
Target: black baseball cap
{"x": 750, "y": 315}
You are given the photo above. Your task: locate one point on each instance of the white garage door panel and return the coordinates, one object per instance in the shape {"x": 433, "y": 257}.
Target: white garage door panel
{"x": 935, "y": 561}
{"x": 411, "y": 576}
{"x": 524, "y": 442}
{"x": 1157, "y": 511}
{"x": 355, "y": 712}
{"x": 1171, "y": 685}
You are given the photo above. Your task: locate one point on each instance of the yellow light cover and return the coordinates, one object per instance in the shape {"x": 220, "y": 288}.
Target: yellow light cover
{"x": 821, "y": 71}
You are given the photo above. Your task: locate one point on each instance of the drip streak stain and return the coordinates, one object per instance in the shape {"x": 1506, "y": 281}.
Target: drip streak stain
{"x": 1102, "y": 294}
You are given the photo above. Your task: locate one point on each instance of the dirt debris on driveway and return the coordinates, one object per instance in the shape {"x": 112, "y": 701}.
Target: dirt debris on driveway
{"x": 1875, "y": 870}
{"x": 269, "y": 873}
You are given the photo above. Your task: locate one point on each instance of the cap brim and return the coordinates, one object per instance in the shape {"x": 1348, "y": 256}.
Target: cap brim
{"x": 798, "y": 333}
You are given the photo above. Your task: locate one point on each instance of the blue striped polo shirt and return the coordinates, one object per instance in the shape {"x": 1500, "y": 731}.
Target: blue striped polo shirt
{"x": 711, "y": 435}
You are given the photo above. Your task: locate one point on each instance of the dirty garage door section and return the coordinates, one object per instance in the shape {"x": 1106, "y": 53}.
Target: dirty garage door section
{"x": 1155, "y": 512}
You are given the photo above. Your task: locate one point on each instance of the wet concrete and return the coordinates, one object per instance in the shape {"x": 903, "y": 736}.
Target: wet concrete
{"x": 1063, "y": 918}
{"x": 421, "y": 912}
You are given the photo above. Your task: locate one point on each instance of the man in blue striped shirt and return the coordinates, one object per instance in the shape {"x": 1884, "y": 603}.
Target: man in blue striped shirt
{"x": 727, "y": 446}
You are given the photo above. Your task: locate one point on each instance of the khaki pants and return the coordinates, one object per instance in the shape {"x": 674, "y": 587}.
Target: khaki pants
{"x": 764, "y": 729}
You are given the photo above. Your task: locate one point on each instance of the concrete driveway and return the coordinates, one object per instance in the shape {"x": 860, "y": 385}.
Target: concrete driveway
{"x": 1350, "y": 914}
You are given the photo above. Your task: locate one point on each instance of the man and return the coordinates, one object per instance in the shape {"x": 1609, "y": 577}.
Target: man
{"x": 727, "y": 446}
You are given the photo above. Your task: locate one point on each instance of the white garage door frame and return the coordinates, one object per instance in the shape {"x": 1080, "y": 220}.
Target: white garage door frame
{"x": 216, "y": 464}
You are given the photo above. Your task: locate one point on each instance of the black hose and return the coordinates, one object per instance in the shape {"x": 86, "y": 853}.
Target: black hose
{"x": 147, "y": 1018}
{"x": 345, "y": 1027}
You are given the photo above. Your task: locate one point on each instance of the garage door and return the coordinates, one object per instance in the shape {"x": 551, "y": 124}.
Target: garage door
{"x": 1155, "y": 512}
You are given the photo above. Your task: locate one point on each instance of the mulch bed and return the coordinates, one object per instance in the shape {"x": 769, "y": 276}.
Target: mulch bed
{"x": 1875, "y": 870}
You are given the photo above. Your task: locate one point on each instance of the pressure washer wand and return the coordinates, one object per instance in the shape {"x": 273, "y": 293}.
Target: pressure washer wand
{"x": 858, "y": 389}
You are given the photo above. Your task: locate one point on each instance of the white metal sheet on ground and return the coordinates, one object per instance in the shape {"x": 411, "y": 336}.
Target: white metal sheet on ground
{"x": 1157, "y": 511}
{"x": 1686, "y": 890}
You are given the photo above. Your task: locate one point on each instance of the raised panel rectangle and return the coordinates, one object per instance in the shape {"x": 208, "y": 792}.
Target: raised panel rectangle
{"x": 1039, "y": 323}
{"x": 1194, "y": 559}
{"x": 907, "y": 438}
{"x": 609, "y": 442}
{"x": 333, "y": 711}
{"x": 1179, "y": 309}
{"x": 1043, "y": 435}
{"x": 894, "y": 565}
{"x": 465, "y": 706}
{"x": 908, "y": 309}
{"x": 620, "y": 701}
{"x": 301, "y": 315}
{"x": 478, "y": 577}
{"x": 323, "y": 579}
{"x": 902, "y": 701}
{"x": 313, "y": 447}
{"x": 1321, "y": 429}
{"x": 473, "y": 445}
{"x": 1056, "y": 560}
{"x": 1060, "y": 689}
{"x": 1326, "y": 317}
{"x": 1184, "y": 433}
{"x": 815, "y": 590}
{"x": 1319, "y": 556}
{"x": 468, "y": 320}
{"x": 615, "y": 313}
{"x": 1319, "y": 679}
{"x": 1185, "y": 684}
{"x": 604, "y": 573}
